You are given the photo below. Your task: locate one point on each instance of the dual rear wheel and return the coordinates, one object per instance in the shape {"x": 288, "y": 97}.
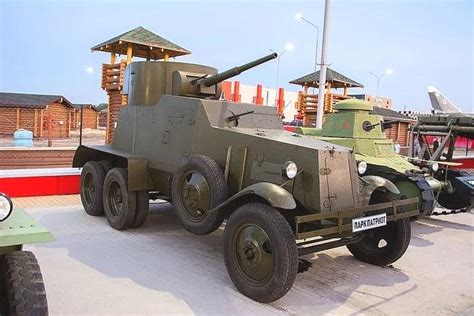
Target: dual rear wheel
{"x": 104, "y": 190}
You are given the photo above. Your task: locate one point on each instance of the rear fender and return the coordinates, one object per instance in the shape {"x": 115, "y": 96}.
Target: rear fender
{"x": 371, "y": 183}
{"x": 138, "y": 175}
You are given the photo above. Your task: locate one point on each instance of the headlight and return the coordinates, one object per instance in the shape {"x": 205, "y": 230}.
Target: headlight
{"x": 361, "y": 167}
{"x": 289, "y": 170}
{"x": 434, "y": 166}
{"x": 6, "y": 207}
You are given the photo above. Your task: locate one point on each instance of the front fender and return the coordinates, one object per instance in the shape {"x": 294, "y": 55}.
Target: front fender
{"x": 275, "y": 195}
{"x": 371, "y": 183}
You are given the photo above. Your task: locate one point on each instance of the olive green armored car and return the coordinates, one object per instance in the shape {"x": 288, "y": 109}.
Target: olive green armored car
{"x": 22, "y": 291}
{"x": 282, "y": 195}
{"x": 355, "y": 126}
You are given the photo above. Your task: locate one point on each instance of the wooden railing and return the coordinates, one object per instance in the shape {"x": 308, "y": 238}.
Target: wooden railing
{"x": 307, "y": 105}
{"x": 112, "y": 76}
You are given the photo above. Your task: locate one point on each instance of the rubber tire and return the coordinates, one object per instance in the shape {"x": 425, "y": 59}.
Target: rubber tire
{"x": 142, "y": 208}
{"x": 129, "y": 200}
{"x": 392, "y": 251}
{"x": 23, "y": 291}
{"x": 283, "y": 244}
{"x": 217, "y": 187}
{"x": 107, "y": 165}
{"x": 96, "y": 208}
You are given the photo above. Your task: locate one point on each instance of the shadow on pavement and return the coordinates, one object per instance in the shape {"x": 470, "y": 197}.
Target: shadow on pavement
{"x": 162, "y": 256}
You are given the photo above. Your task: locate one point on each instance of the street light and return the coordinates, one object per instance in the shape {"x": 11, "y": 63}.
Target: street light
{"x": 288, "y": 48}
{"x": 387, "y": 72}
{"x": 300, "y": 17}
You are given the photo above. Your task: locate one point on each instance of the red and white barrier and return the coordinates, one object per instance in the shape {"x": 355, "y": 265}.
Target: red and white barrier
{"x": 37, "y": 182}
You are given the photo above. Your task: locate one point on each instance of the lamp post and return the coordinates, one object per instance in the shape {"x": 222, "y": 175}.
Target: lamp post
{"x": 387, "y": 72}
{"x": 288, "y": 48}
{"x": 324, "y": 66}
{"x": 299, "y": 16}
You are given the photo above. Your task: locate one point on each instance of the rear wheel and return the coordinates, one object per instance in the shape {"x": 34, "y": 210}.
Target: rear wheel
{"x": 119, "y": 203}
{"x": 260, "y": 252}
{"x": 22, "y": 289}
{"x": 143, "y": 205}
{"x": 92, "y": 181}
{"x": 197, "y": 187}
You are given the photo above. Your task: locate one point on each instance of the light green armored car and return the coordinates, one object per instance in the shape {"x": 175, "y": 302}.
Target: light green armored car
{"x": 22, "y": 291}
{"x": 356, "y": 127}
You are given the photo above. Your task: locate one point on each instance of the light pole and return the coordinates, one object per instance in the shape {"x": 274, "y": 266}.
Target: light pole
{"x": 387, "y": 72}
{"x": 288, "y": 48}
{"x": 324, "y": 66}
{"x": 299, "y": 16}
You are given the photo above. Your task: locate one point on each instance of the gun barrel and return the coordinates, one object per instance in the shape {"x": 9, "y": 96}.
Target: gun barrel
{"x": 236, "y": 70}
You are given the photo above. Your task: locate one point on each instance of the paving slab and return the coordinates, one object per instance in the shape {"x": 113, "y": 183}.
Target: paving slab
{"x": 162, "y": 269}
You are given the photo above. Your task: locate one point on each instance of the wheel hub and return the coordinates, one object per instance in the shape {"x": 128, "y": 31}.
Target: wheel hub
{"x": 254, "y": 254}
{"x": 196, "y": 195}
{"x": 250, "y": 254}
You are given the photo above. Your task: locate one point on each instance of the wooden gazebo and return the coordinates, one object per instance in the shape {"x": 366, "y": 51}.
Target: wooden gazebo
{"x": 138, "y": 42}
{"x": 307, "y": 103}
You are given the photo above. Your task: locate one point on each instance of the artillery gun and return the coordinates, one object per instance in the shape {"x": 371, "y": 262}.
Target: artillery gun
{"x": 459, "y": 192}
{"x": 280, "y": 193}
{"x": 354, "y": 126}
{"x": 22, "y": 291}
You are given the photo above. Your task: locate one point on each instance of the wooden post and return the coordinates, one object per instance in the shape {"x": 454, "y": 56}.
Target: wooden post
{"x": 398, "y": 130}
{"x": 345, "y": 90}
{"x": 129, "y": 53}
{"x": 41, "y": 123}
{"x": 112, "y": 58}
{"x": 50, "y": 135}
{"x": 68, "y": 130}
{"x": 17, "y": 118}
{"x": 35, "y": 125}
{"x": 166, "y": 57}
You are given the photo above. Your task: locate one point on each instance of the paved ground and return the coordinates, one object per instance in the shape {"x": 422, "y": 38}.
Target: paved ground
{"x": 162, "y": 269}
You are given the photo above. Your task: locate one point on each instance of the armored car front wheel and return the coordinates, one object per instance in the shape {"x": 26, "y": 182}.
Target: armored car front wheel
{"x": 22, "y": 290}
{"x": 197, "y": 187}
{"x": 119, "y": 203}
{"x": 260, "y": 252}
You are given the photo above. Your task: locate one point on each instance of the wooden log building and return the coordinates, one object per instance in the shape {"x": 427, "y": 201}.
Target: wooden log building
{"x": 138, "y": 42}
{"x": 308, "y": 103}
{"x": 90, "y": 117}
{"x": 36, "y": 113}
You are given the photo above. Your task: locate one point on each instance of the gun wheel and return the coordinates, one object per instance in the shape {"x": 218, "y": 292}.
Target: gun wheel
{"x": 260, "y": 252}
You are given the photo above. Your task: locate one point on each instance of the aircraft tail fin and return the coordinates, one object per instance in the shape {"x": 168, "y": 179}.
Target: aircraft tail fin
{"x": 440, "y": 103}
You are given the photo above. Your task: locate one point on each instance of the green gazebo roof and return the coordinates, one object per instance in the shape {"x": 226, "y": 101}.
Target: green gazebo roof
{"x": 336, "y": 79}
{"x": 145, "y": 43}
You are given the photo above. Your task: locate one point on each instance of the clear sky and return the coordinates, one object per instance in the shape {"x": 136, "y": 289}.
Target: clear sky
{"x": 45, "y": 45}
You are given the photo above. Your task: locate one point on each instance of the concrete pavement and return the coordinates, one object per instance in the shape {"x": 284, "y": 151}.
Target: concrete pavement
{"x": 162, "y": 269}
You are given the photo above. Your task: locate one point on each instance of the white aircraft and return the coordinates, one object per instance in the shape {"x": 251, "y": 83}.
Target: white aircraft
{"x": 441, "y": 104}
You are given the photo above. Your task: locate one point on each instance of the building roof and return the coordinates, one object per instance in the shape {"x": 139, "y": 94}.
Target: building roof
{"x": 34, "y": 101}
{"x": 336, "y": 79}
{"x": 77, "y": 106}
{"x": 391, "y": 114}
{"x": 146, "y": 44}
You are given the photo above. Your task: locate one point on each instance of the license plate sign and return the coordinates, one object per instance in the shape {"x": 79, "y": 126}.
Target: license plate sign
{"x": 369, "y": 222}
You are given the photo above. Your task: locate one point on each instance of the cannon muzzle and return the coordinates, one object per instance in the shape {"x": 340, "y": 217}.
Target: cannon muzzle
{"x": 215, "y": 79}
